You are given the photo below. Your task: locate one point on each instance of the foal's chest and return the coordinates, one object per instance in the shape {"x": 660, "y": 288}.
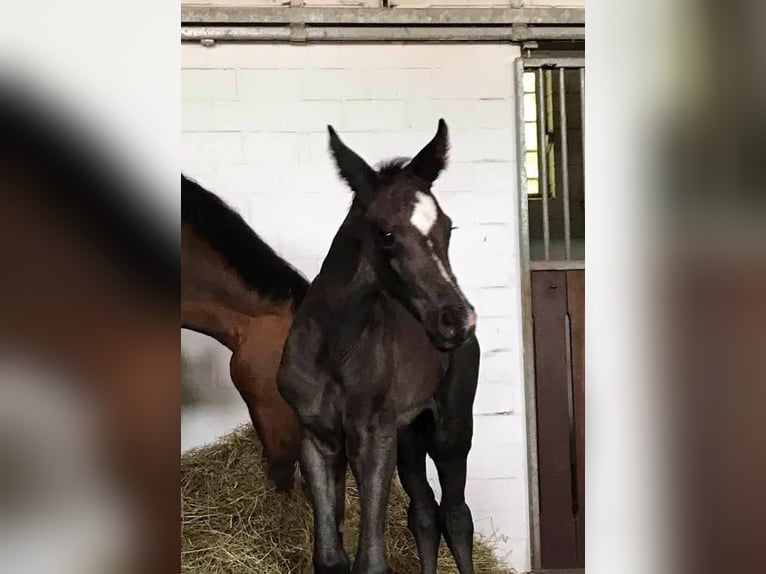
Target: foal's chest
{"x": 393, "y": 363}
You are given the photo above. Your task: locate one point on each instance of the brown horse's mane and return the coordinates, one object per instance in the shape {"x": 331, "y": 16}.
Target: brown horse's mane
{"x": 225, "y": 231}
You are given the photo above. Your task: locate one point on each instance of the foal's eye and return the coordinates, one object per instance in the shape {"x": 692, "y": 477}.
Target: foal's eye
{"x": 386, "y": 239}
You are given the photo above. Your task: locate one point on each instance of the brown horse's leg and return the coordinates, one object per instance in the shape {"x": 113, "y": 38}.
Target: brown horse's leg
{"x": 254, "y": 367}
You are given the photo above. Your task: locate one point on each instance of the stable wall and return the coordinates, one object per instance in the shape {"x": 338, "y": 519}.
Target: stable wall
{"x": 399, "y": 3}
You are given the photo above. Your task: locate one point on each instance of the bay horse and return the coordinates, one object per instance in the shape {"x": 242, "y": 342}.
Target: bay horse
{"x": 89, "y": 293}
{"x": 236, "y": 289}
{"x": 381, "y": 365}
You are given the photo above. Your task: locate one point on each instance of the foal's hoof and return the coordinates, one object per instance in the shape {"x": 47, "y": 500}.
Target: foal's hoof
{"x": 342, "y": 568}
{"x": 282, "y": 476}
{"x": 361, "y": 569}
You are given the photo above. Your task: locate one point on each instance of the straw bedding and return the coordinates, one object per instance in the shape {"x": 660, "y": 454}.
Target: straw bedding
{"x": 234, "y": 522}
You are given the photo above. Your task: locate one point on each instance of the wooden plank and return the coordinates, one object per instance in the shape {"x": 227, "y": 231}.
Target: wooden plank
{"x": 558, "y": 539}
{"x": 576, "y": 307}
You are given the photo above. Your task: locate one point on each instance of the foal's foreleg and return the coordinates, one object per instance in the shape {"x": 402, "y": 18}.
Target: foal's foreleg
{"x": 454, "y": 514}
{"x": 324, "y": 467}
{"x": 449, "y": 446}
{"x": 423, "y": 512}
{"x": 372, "y": 453}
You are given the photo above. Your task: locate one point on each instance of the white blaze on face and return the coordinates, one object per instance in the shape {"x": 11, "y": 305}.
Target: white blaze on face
{"x": 424, "y": 213}
{"x": 439, "y": 264}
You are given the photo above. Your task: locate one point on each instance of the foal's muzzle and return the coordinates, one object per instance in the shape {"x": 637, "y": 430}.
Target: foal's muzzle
{"x": 455, "y": 325}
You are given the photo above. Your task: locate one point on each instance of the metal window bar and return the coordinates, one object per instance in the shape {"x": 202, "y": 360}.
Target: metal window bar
{"x": 542, "y": 160}
{"x": 582, "y": 118}
{"x": 564, "y": 166}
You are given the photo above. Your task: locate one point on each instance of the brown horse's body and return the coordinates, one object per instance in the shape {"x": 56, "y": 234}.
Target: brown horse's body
{"x": 217, "y": 301}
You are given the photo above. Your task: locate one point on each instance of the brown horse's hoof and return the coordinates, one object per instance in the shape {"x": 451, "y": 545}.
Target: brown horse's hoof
{"x": 282, "y": 476}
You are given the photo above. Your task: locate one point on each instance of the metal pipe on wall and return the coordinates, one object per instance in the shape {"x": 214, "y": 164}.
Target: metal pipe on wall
{"x": 300, "y": 33}
{"x": 326, "y": 15}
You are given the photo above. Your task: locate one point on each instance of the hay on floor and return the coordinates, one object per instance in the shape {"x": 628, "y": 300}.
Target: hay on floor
{"x": 233, "y": 522}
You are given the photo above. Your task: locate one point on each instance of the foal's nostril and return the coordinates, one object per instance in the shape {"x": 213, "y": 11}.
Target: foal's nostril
{"x": 449, "y": 322}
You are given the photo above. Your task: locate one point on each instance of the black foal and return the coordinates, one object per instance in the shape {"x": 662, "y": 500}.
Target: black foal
{"x": 381, "y": 365}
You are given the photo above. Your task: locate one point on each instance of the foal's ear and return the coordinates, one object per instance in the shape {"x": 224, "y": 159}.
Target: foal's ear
{"x": 360, "y": 176}
{"x": 432, "y": 159}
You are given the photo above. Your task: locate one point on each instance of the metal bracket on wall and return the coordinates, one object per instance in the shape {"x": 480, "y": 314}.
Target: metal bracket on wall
{"x": 298, "y": 33}
{"x": 528, "y": 47}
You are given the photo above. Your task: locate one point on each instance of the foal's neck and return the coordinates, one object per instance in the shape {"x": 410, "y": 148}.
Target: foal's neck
{"x": 347, "y": 277}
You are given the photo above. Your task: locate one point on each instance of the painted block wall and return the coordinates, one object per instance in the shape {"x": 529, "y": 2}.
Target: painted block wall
{"x": 400, "y": 3}
{"x": 254, "y": 122}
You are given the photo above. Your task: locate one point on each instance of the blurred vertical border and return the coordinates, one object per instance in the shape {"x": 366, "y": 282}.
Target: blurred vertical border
{"x": 89, "y": 287}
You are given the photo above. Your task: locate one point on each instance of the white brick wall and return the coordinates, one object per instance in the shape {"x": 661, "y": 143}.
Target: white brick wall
{"x": 401, "y": 3}
{"x": 254, "y": 120}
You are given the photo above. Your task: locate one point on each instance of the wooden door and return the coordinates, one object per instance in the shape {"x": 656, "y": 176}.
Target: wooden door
{"x": 558, "y": 310}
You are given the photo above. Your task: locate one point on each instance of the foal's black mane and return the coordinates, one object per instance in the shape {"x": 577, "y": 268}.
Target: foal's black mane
{"x": 387, "y": 170}
{"x": 226, "y": 232}
{"x": 391, "y": 168}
